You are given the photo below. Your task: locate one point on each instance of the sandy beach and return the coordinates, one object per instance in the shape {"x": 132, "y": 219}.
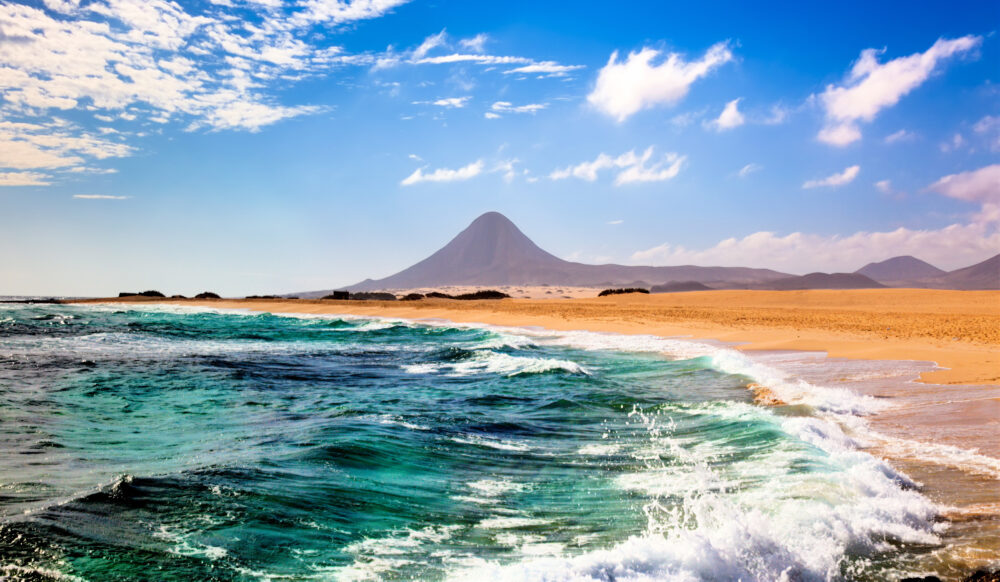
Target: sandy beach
{"x": 959, "y": 330}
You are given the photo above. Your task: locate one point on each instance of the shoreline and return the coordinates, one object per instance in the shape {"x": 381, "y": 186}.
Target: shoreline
{"x": 932, "y": 421}
{"x": 955, "y": 403}
{"x": 959, "y": 331}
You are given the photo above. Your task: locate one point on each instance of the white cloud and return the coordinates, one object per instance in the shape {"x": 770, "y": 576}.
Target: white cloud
{"x": 473, "y": 58}
{"x": 982, "y": 185}
{"x": 341, "y": 11}
{"x": 444, "y": 174}
{"x": 661, "y": 171}
{"x": 839, "y": 135}
{"x": 491, "y": 115}
{"x": 53, "y": 144}
{"x": 615, "y": 222}
{"x": 845, "y": 177}
{"x": 632, "y": 168}
{"x": 431, "y": 42}
{"x": 508, "y": 107}
{"x": 544, "y": 68}
{"x": 218, "y": 67}
{"x": 476, "y": 44}
{"x": 884, "y": 186}
{"x": 507, "y": 167}
{"x": 989, "y": 126}
{"x": 901, "y": 135}
{"x": 624, "y": 88}
{"x": 100, "y": 197}
{"x": 23, "y": 179}
{"x": 749, "y": 169}
{"x": 952, "y": 247}
{"x": 779, "y": 114}
{"x": 955, "y": 143}
{"x": 452, "y": 102}
{"x": 729, "y": 118}
{"x": 871, "y": 87}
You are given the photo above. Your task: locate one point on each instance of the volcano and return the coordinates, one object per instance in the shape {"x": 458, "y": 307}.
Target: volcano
{"x": 492, "y": 251}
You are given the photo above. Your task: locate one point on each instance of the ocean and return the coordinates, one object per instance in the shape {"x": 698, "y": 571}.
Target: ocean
{"x": 170, "y": 443}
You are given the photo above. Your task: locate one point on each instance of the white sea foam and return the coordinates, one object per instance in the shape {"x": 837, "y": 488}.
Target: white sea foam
{"x": 19, "y": 572}
{"x": 376, "y": 556}
{"x": 490, "y": 362}
{"x": 968, "y": 460}
{"x": 185, "y": 545}
{"x": 777, "y": 525}
{"x": 398, "y": 421}
{"x": 511, "y": 522}
{"x": 481, "y": 441}
{"x": 494, "y": 488}
{"x": 599, "y": 450}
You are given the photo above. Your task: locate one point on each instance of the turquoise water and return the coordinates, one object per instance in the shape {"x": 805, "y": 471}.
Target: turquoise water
{"x": 170, "y": 444}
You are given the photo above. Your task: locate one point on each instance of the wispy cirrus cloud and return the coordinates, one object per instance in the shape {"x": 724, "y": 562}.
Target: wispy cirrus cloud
{"x": 626, "y": 87}
{"x": 100, "y": 197}
{"x": 871, "y": 86}
{"x": 749, "y": 169}
{"x": 444, "y": 174}
{"x": 447, "y": 102}
{"x": 24, "y": 179}
{"x": 838, "y": 179}
{"x": 508, "y": 107}
{"x": 214, "y": 67}
{"x": 632, "y": 168}
{"x": 470, "y": 51}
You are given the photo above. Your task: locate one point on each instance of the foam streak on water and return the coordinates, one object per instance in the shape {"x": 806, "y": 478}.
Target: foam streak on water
{"x": 228, "y": 445}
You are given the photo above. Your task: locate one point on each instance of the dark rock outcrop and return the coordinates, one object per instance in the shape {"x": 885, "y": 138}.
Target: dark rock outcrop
{"x": 373, "y": 296}
{"x": 338, "y": 295}
{"x": 207, "y": 295}
{"x": 150, "y": 293}
{"x": 607, "y": 292}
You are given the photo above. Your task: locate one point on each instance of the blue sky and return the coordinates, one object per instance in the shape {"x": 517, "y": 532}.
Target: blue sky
{"x": 255, "y": 146}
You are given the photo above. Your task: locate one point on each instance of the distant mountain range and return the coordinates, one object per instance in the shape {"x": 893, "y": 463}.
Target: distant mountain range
{"x": 492, "y": 251}
{"x": 898, "y": 269}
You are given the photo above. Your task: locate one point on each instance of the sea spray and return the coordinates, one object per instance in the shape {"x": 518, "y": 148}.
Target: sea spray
{"x": 265, "y": 447}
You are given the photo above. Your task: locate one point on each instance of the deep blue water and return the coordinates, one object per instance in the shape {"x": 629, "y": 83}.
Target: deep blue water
{"x": 170, "y": 444}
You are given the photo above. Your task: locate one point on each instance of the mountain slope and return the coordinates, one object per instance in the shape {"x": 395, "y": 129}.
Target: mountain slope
{"x": 904, "y": 268}
{"x": 822, "y": 281}
{"x": 984, "y": 275}
{"x": 493, "y": 251}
